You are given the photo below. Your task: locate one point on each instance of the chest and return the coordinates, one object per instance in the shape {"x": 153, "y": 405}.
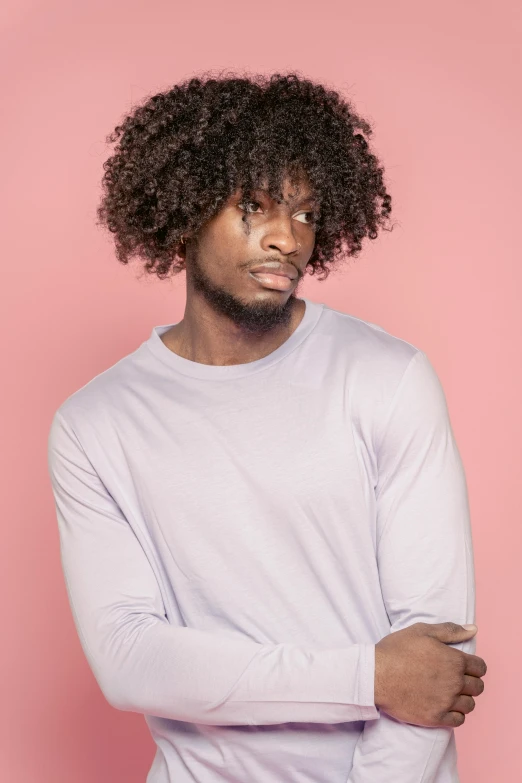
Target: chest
{"x": 240, "y": 474}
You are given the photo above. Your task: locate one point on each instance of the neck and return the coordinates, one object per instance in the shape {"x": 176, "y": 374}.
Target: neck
{"x": 210, "y": 337}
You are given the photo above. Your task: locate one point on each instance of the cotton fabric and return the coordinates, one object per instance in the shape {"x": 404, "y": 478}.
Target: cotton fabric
{"x": 236, "y": 539}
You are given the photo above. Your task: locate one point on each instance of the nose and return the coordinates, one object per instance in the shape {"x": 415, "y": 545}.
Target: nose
{"x": 279, "y": 235}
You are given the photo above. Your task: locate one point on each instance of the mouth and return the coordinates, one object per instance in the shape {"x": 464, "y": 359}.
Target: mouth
{"x": 275, "y": 275}
{"x": 275, "y": 282}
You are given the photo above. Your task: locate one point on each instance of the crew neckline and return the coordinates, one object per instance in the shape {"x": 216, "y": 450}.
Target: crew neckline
{"x": 184, "y": 366}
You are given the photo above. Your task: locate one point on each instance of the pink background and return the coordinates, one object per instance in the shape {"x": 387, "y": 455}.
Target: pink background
{"x": 441, "y": 82}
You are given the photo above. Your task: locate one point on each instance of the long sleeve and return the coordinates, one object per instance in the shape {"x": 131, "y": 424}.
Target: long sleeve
{"x": 145, "y": 664}
{"x": 425, "y": 560}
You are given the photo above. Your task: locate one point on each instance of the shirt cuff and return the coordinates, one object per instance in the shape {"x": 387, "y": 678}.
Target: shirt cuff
{"x": 367, "y": 683}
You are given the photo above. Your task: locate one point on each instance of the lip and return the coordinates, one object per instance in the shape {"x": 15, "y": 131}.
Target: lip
{"x": 277, "y": 268}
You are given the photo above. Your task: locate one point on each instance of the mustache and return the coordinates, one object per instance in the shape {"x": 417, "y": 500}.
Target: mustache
{"x": 276, "y": 259}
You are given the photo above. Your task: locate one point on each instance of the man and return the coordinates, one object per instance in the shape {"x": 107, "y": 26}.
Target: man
{"x": 263, "y": 514}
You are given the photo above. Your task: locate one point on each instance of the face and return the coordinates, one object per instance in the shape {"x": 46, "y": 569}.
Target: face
{"x": 221, "y": 260}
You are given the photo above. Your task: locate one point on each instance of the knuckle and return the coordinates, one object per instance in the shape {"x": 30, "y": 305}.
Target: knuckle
{"x": 456, "y": 682}
{"x": 449, "y": 699}
{"x": 461, "y": 663}
{"x": 451, "y": 627}
{"x": 457, "y": 666}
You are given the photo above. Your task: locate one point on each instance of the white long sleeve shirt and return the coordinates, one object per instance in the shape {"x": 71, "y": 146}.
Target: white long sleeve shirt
{"x": 236, "y": 539}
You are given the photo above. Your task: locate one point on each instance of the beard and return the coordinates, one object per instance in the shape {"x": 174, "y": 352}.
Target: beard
{"x": 254, "y": 317}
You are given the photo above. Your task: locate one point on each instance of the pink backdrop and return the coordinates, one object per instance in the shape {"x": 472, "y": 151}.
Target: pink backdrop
{"x": 442, "y": 84}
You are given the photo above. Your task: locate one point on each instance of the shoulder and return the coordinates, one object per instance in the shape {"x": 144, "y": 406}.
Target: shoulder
{"x": 96, "y": 401}
{"x": 384, "y": 375}
{"x": 370, "y": 351}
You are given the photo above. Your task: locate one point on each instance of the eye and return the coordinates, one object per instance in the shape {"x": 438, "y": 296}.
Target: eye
{"x": 244, "y": 205}
{"x": 308, "y": 215}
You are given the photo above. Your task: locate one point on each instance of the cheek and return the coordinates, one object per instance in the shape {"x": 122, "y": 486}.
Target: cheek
{"x": 226, "y": 231}
{"x": 232, "y": 241}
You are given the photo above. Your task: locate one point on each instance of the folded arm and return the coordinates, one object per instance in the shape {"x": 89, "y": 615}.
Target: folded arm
{"x": 145, "y": 664}
{"x": 425, "y": 560}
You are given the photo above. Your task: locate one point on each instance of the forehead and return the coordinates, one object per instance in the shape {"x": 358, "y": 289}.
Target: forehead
{"x": 294, "y": 190}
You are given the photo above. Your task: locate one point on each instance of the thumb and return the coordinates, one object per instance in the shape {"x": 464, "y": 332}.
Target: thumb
{"x": 451, "y": 632}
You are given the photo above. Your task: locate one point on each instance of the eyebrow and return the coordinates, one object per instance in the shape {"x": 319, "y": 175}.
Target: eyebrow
{"x": 306, "y": 200}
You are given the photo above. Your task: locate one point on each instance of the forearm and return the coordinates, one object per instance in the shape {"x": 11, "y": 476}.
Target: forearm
{"x": 388, "y": 750}
{"x": 190, "y": 675}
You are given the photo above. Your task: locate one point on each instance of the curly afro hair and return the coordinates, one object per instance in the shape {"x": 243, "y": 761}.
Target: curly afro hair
{"x": 183, "y": 152}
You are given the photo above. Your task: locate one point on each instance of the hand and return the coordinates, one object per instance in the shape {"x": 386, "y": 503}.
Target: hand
{"x": 420, "y": 680}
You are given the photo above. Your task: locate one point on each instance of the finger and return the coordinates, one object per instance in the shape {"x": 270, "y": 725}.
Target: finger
{"x": 473, "y": 686}
{"x": 453, "y": 719}
{"x": 463, "y": 704}
{"x": 475, "y": 666}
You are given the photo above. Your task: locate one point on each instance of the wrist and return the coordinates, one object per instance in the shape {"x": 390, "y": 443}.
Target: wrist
{"x": 378, "y": 685}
